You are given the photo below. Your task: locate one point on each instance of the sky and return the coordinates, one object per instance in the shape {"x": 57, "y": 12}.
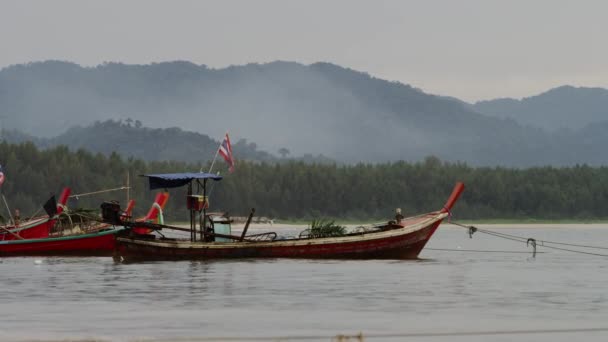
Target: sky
{"x": 469, "y": 49}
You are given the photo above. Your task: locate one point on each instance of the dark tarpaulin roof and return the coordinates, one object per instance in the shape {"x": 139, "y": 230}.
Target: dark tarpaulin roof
{"x": 175, "y": 180}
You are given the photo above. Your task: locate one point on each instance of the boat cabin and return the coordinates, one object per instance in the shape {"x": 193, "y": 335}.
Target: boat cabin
{"x": 218, "y": 223}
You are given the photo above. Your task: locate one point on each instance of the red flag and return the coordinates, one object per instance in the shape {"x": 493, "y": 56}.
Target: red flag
{"x": 226, "y": 152}
{"x": 2, "y": 173}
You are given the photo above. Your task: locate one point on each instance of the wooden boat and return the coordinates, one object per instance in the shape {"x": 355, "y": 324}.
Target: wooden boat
{"x": 100, "y": 243}
{"x": 91, "y": 242}
{"x": 58, "y": 222}
{"x": 403, "y": 238}
{"x": 38, "y": 227}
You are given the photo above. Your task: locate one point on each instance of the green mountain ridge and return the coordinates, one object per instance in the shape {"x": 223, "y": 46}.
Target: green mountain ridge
{"x": 565, "y": 108}
{"x": 317, "y": 109}
{"x": 132, "y": 140}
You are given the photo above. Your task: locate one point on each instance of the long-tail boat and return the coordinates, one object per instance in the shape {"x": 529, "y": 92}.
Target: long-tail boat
{"x": 402, "y": 238}
{"x": 58, "y": 222}
{"x": 98, "y": 240}
{"x": 36, "y": 227}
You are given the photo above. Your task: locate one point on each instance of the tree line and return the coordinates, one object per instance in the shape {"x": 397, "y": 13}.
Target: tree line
{"x": 299, "y": 190}
{"x": 151, "y": 144}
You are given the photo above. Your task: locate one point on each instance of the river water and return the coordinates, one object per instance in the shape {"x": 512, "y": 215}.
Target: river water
{"x": 502, "y": 291}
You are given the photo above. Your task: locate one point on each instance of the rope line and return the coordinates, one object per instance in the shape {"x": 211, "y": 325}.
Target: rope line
{"x": 575, "y": 251}
{"x": 538, "y": 243}
{"x": 34, "y": 215}
{"x": 99, "y": 192}
{"x": 476, "y": 250}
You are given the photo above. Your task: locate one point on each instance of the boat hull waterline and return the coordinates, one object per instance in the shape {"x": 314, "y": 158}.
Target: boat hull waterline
{"x": 94, "y": 244}
{"x": 400, "y": 243}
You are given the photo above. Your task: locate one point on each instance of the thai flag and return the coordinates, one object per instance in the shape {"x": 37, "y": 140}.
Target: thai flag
{"x": 226, "y": 152}
{"x": 1, "y": 176}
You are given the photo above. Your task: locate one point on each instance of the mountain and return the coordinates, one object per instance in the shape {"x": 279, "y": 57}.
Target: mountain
{"x": 564, "y": 107}
{"x": 17, "y": 137}
{"x": 322, "y": 108}
{"x": 130, "y": 139}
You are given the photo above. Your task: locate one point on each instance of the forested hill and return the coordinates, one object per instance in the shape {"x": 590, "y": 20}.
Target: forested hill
{"x": 305, "y": 191}
{"x": 563, "y": 107}
{"x": 320, "y": 108}
{"x": 130, "y": 138}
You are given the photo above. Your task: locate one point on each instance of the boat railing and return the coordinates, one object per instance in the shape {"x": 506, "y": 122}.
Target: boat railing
{"x": 75, "y": 222}
{"x": 269, "y": 236}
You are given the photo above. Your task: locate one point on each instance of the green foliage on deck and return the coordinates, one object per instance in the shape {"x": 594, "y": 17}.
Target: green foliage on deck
{"x": 324, "y": 228}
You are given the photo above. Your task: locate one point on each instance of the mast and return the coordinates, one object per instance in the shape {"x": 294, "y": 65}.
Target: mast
{"x": 192, "y": 215}
{"x": 128, "y": 186}
{"x": 9, "y": 210}
{"x": 204, "y": 221}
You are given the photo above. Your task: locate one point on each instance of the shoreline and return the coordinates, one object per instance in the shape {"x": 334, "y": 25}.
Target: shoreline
{"x": 444, "y": 225}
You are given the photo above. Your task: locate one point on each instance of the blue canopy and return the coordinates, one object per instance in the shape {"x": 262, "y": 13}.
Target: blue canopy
{"x": 175, "y": 180}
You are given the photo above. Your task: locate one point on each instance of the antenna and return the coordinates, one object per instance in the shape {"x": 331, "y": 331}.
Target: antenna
{"x": 128, "y": 187}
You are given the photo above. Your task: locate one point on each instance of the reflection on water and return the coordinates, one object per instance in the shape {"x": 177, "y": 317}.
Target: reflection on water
{"x": 444, "y": 291}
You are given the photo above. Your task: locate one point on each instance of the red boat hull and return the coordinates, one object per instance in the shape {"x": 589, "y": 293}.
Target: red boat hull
{"x": 94, "y": 244}
{"x": 35, "y": 229}
{"x": 403, "y": 242}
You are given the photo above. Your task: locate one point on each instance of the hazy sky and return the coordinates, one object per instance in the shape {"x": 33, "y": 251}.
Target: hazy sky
{"x": 474, "y": 49}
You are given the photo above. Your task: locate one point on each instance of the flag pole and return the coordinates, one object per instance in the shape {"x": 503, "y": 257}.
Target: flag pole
{"x": 213, "y": 163}
{"x": 217, "y": 151}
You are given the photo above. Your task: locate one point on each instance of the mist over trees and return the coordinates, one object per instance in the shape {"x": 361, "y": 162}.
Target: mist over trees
{"x": 346, "y": 115}
{"x": 130, "y": 138}
{"x": 561, "y": 108}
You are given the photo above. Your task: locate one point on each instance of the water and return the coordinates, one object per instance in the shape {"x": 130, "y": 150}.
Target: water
{"x": 445, "y": 291}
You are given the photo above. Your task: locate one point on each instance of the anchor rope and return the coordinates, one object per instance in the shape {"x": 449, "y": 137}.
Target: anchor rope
{"x": 476, "y": 250}
{"x": 536, "y": 242}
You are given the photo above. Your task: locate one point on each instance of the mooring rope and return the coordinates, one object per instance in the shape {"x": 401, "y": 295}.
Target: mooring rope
{"x": 36, "y": 213}
{"x": 541, "y": 242}
{"x": 99, "y": 192}
{"x": 534, "y": 242}
{"x": 574, "y": 251}
{"x": 477, "y": 250}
